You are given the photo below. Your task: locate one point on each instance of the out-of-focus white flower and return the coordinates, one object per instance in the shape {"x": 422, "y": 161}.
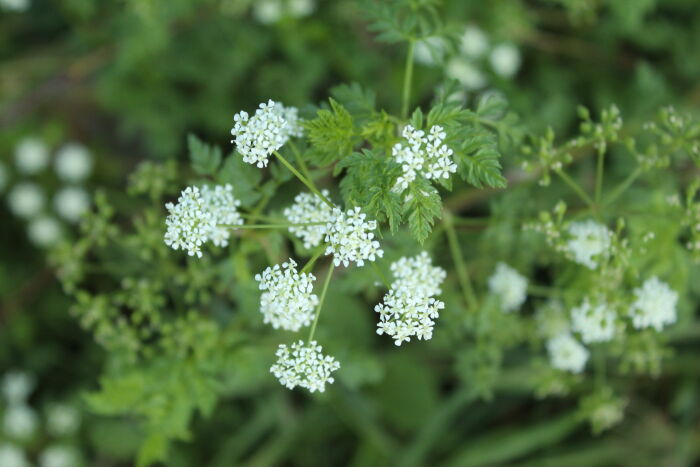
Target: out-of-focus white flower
{"x": 288, "y": 301}
{"x": 594, "y": 323}
{"x": 418, "y": 275}
{"x": 62, "y": 420}
{"x": 301, "y": 8}
{"x": 350, "y": 239}
{"x": 26, "y": 200}
{"x": 655, "y": 305}
{"x": 16, "y": 386}
{"x": 509, "y": 286}
{"x": 259, "y": 136}
{"x": 12, "y": 456}
{"x": 466, "y": 73}
{"x": 44, "y": 231}
{"x": 267, "y": 11}
{"x": 20, "y": 422}
{"x": 304, "y": 365}
{"x": 590, "y": 241}
{"x": 71, "y": 203}
{"x": 309, "y": 208}
{"x": 430, "y": 51}
{"x": 222, "y": 207}
{"x": 505, "y": 60}
{"x": 474, "y": 42}
{"x": 403, "y": 314}
{"x": 31, "y": 156}
{"x": 73, "y": 162}
{"x": 422, "y": 155}
{"x": 4, "y": 176}
{"x": 200, "y": 216}
{"x": 567, "y": 354}
{"x": 59, "y": 456}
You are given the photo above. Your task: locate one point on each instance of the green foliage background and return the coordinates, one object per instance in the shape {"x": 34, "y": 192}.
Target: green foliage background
{"x": 169, "y": 357}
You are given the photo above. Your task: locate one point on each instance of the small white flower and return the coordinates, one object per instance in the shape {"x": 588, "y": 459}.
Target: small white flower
{"x": 71, "y": 203}
{"x": 655, "y": 305}
{"x": 288, "y": 301}
{"x": 44, "y": 231}
{"x": 26, "y": 200}
{"x": 505, "y": 60}
{"x": 473, "y": 42}
{"x": 422, "y": 155}
{"x": 304, "y": 365}
{"x": 200, "y": 216}
{"x": 73, "y": 163}
{"x": 62, "y": 420}
{"x": 17, "y": 386}
{"x": 301, "y": 8}
{"x": 259, "y": 136}
{"x": 510, "y": 287}
{"x": 59, "y": 456}
{"x": 430, "y": 51}
{"x": 267, "y": 11}
{"x": 12, "y": 456}
{"x": 3, "y": 176}
{"x": 222, "y": 208}
{"x": 466, "y": 73}
{"x": 20, "y": 422}
{"x": 594, "y": 323}
{"x": 418, "y": 275}
{"x": 31, "y": 156}
{"x": 590, "y": 241}
{"x": 403, "y": 314}
{"x": 567, "y": 354}
{"x": 309, "y": 208}
{"x": 350, "y": 239}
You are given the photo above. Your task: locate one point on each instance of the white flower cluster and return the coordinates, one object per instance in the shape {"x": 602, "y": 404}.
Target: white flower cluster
{"x": 309, "y": 208}
{"x": 288, "y": 301}
{"x": 410, "y": 309}
{"x": 350, "y": 239}
{"x": 12, "y": 456}
{"x": 655, "y": 305}
{"x": 19, "y": 420}
{"x": 200, "y": 216}
{"x": 566, "y": 353}
{"x": 31, "y": 156}
{"x": 304, "y": 365}
{"x": 589, "y": 240}
{"x": 595, "y": 323}
{"x": 271, "y": 11}
{"x": 423, "y": 155}
{"x": 58, "y": 455}
{"x": 257, "y": 137}
{"x": 510, "y": 287}
{"x": 73, "y": 162}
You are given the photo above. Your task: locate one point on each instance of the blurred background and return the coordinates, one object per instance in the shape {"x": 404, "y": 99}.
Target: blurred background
{"x": 89, "y": 89}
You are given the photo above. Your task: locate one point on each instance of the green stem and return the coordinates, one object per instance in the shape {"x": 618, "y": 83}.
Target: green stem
{"x": 622, "y": 187}
{"x": 408, "y": 77}
{"x": 303, "y": 179}
{"x": 600, "y": 365}
{"x": 462, "y": 272}
{"x": 381, "y": 275}
{"x": 260, "y": 217}
{"x": 575, "y": 186}
{"x": 300, "y": 161}
{"x": 321, "y": 300}
{"x": 310, "y": 263}
{"x": 599, "y": 175}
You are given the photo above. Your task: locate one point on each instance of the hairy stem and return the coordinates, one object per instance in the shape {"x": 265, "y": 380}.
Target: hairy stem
{"x": 309, "y": 184}
{"x": 321, "y": 300}
{"x": 407, "y": 79}
{"x": 462, "y": 271}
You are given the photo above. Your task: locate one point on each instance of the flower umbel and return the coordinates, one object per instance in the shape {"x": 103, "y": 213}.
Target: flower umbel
{"x": 350, "y": 239}
{"x": 257, "y": 137}
{"x": 655, "y": 305}
{"x": 567, "y": 354}
{"x": 595, "y": 323}
{"x": 304, "y": 365}
{"x": 423, "y": 155}
{"x": 589, "y": 240}
{"x": 288, "y": 301}
{"x": 510, "y": 287}
{"x": 223, "y": 211}
{"x": 309, "y": 208}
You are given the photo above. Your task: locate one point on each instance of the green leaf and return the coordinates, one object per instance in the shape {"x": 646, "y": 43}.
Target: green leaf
{"x": 359, "y": 102}
{"x": 205, "y": 158}
{"x": 153, "y": 449}
{"x": 244, "y": 178}
{"x": 332, "y": 134}
{"x": 423, "y": 206}
{"x": 478, "y": 159}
